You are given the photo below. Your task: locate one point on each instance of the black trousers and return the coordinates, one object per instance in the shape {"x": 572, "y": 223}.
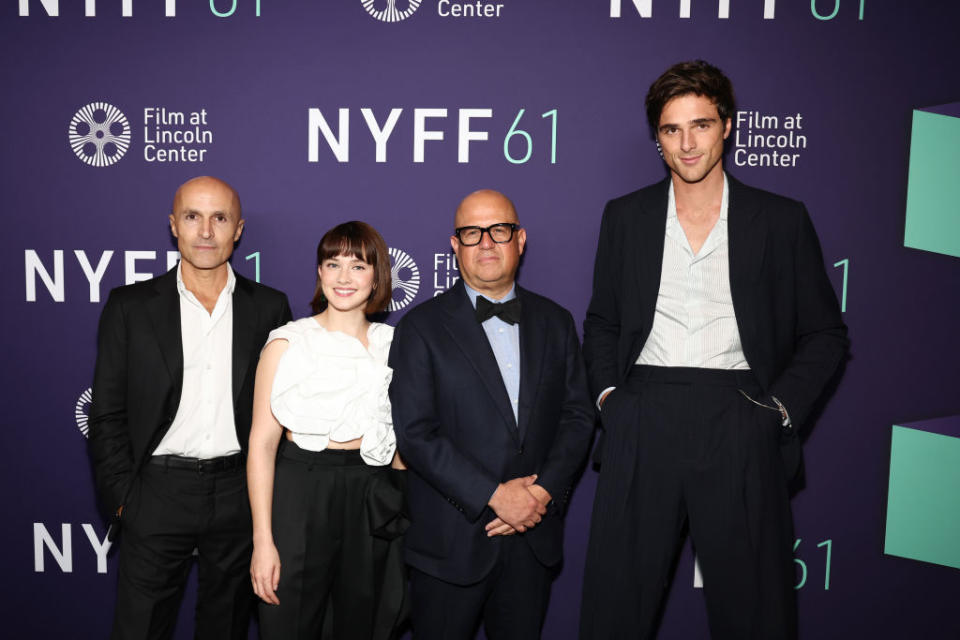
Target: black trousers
{"x": 341, "y": 574}
{"x": 511, "y": 600}
{"x": 685, "y": 449}
{"x": 170, "y": 513}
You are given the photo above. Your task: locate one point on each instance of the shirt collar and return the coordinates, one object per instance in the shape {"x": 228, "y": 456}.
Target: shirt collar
{"x": 472, "y": 293}
{"x": 228, "y": 289}
{"x": 672, "y": 202}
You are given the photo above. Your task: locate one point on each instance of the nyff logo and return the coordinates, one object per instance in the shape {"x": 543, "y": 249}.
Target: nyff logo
{"x": 52, "y": 7}
{"x": 644, "y": 8}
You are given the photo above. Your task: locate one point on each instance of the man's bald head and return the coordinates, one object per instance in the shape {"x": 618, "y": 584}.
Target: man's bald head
{"x": 488, "y": 266}
{"x": 206, "y": 223}
{"x": 207, "y": 184}
{"x": 486, "y": 200}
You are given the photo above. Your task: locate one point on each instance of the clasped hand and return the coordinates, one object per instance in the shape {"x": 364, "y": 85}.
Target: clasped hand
{"x": 519, "y": 504}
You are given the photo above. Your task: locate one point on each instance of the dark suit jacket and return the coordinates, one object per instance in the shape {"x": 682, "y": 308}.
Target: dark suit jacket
{"x": 139, "y": 372}
{"x": 456, "y": 430}
{"x": 790, "y": 326}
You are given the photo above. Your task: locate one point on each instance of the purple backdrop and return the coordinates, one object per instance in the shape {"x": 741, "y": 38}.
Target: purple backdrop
{"x": 579, "y": 74}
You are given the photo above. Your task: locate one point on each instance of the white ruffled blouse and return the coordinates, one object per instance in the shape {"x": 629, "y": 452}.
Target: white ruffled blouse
{"x": 329, "y": 387}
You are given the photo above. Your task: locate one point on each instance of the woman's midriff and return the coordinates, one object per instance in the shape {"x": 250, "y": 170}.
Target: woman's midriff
{"x": 332, "y": 444}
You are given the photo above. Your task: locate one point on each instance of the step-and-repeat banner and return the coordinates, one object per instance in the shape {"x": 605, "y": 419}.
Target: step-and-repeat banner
{"x": 321, "y": 111}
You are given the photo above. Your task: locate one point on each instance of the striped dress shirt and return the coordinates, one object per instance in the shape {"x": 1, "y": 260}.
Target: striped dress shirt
{"x": 694, "y": 324}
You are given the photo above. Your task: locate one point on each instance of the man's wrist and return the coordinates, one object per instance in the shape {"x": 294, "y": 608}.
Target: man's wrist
{"x": 786, "y": 423}
{"x": 494, "y": 495}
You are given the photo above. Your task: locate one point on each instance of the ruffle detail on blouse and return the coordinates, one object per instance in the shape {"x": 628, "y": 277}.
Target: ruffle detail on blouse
{"x": 329, "y": 387}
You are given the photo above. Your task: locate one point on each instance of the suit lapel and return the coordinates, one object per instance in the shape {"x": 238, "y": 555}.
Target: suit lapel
{"x": 533, "y": 340}
{"x": 244, "y": 328}
{"x": 164, "y": 313}
{"x": 648, "y": 239}
{"x": 469, "y": 337}
{"x": 747, "y": 233}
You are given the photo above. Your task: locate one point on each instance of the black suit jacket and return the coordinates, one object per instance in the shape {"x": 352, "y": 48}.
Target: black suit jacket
{"x": 790, "y": 326}
{"x": 456, "y": 430}
{"x": 139, "y": 372}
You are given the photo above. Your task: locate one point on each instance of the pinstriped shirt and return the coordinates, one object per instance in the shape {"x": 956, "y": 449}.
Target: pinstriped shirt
{"x": 694, "y": 324}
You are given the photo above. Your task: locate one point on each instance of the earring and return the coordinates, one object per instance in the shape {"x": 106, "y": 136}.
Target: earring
{"x": 660, "y": 150}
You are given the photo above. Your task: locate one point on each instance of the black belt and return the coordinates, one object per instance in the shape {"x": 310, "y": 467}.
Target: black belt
{"x": 210, "y": 465}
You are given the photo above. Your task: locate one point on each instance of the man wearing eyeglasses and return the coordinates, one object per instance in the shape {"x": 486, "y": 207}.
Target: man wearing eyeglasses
{"x": 493, "y": 418}
{"x": 712, "y": 331}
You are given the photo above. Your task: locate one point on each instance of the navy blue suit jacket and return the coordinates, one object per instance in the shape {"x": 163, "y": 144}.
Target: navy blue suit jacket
{"x": 457, "y": 433}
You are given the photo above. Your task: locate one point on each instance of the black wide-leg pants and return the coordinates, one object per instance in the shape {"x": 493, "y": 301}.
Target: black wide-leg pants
{"x": 684, "y": 448}
{"x": 339, "y": 576}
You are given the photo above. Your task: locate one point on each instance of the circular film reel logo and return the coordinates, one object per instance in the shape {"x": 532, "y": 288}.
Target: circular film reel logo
{"x": 391, "y": 13}
{"x": 99, "y": 134}
{"x": 406, "y": 279}
{"x": 82, "y": 411}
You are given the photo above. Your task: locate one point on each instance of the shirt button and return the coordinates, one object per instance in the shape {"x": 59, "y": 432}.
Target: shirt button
{"x": 500, "y": 330}
{"x": 509, "y": 365}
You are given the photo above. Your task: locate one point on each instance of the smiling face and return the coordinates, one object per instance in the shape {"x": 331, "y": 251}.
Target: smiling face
{"x": 488, "y": 267}
{"x": 346, "y": 282}
{"x": 691, "y": 135}
{"x": 206, "y": 223}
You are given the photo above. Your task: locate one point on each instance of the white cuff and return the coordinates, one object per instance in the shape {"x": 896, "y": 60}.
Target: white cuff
{"x": 783, "y": 411}
{"x": 602, "y": 394}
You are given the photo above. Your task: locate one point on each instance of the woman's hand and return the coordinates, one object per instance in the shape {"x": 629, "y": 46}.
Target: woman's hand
{"x": 265, "y": 572}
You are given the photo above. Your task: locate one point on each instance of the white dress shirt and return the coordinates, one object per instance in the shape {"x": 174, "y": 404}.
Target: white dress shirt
{"x": 694, "y": 324}
{"x": 204, "y": 425}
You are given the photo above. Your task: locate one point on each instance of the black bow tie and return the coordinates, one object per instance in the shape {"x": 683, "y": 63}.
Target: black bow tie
{"x": 508, "y": 311}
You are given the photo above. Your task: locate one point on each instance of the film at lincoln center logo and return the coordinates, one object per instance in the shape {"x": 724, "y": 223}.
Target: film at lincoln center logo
{"x": 391, "y": 13}
{"x": 81, "y": 411}
{"x": 99, "y": 134}
{"x": 406, "y": 279}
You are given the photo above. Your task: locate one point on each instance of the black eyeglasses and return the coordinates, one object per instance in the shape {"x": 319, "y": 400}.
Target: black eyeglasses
{"x": 501, "y": 233}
